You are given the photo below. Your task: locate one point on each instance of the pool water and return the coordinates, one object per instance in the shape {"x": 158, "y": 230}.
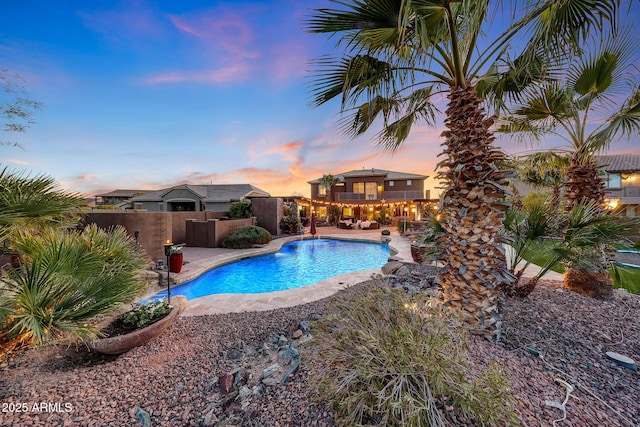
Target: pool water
{"x": 299, "y": 263}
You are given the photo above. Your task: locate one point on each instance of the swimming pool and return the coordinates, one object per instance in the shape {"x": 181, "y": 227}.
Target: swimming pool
{"x": 296, "y": 264}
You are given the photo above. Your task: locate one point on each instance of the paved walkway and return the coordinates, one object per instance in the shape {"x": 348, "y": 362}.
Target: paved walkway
{"x": 200, "y": 260}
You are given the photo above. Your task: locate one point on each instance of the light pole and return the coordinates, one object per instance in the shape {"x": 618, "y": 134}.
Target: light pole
{"x": 167, "y": 252}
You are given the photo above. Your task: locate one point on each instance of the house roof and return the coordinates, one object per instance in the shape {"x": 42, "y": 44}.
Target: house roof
{"x": 212, "y": 193}
{"x": 620, "y": 162}
{"x": 373, "y": 172}
{"x": 122, "y": 193}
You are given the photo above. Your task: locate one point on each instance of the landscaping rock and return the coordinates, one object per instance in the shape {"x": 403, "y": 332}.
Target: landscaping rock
{"x": 225, "y": 382}
{"x": 142, "y": 416}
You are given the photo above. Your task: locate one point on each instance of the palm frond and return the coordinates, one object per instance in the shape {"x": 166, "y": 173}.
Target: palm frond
{"x": 68, "y": 278}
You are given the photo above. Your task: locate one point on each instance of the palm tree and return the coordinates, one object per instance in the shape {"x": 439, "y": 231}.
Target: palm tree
{"x": 588, "y": 233}
{"x": 328, "y": 181}
{"x": 544, "y": 169}
{"x": 564, "y": 108}
{"x": 34, "y": 203}
{"x": 67, "y": 279}
{"x": 399, "y": 56}
{"x": 592, "y": 84}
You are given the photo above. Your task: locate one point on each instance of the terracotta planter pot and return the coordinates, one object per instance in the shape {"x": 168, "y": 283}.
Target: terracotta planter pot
{"x": 175, "y": 262}
{"x": 123, "y": 343}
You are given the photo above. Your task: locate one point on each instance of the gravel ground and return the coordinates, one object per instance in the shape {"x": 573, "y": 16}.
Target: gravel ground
{"x": 211, "y": 370}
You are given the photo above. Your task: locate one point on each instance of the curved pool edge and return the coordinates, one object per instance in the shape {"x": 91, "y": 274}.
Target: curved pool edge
{"x": 201, "y": 260}
{"x": 237, "y": 303}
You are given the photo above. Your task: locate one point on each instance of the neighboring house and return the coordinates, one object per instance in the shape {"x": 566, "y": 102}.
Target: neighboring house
{"x": 189, "y": 198}
{"x": 622, "y": 182}
{"x": 364, "y": 193}
{"x": 118, "y": 197}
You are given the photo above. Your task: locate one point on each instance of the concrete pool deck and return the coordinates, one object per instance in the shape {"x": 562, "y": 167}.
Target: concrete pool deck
{"x": 200, "y": 260}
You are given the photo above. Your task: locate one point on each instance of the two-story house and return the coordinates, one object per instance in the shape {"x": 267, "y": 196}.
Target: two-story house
{"x": 622, "y": 182}
{"x": 365, "y": 193}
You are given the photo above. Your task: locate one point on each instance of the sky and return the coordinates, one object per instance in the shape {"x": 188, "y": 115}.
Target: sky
{"x": 141, "y": 94}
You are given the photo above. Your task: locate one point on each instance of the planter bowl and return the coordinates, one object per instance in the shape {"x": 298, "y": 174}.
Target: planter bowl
{"x": 123, "y": 343}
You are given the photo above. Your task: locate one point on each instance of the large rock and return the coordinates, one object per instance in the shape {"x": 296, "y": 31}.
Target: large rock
{"x": 391, "y": 267}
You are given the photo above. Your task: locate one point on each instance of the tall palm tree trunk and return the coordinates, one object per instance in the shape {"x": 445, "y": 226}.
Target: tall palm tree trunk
{"x": 475, "y": 271}
{"x": 584, "y": 183}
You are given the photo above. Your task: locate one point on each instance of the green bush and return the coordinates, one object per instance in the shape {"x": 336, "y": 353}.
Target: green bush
{"x": 241, "y": 209}
{"x": 289, "y": 224}
{"x": 391, "y": 361}
{"x": 246, "y": 237}
{"x": 146, "y": 314}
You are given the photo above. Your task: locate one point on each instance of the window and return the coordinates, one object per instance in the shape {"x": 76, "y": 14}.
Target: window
{"x": 371, "y": 190}
{"x": 322, "y": 191}
{"x": 408, "y": 182}
{"x": 613, "y": 181}
{"x": 391, "y": 183}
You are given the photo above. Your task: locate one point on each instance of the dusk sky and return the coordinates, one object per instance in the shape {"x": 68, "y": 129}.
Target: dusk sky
{"x": 149, "y": 94}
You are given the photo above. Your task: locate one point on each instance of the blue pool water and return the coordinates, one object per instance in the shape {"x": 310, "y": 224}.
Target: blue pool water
{"x": 297, "y": 264}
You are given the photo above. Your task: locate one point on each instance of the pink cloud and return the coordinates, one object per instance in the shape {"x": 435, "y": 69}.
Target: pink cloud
{"x": 17, "y": 162}
{"x": 232, "y": 73}
{"x": 231, "y": 32}
{"x": 288, "y": 60}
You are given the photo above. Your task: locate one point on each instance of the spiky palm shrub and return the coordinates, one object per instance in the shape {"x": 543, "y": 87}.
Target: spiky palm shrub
{"x": 390, "y": 361}
{"x": 588, "y": 234}
{"x": 66, "y": 279}
{"x": 536, "y": 219}
{"x": 34, "y": 203}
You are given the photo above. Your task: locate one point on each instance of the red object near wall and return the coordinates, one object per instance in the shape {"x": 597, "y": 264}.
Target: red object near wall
{"x": 175, "y": 263}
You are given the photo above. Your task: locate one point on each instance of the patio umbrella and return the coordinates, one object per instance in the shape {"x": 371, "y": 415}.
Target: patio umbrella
{"x": 313, "y": 225}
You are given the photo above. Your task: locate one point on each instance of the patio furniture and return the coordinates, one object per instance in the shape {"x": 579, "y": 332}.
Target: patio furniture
{"x": 369, "y": 225}
{"x": 345, "y": 224}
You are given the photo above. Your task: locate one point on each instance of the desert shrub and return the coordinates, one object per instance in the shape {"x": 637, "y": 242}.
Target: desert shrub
{"x": 241, "y": 209}
{"x": 289, "y": 224}
{"x": 246, "y": 237}
{"x": 66, "y": 279}
{"x": 390, "y": 361}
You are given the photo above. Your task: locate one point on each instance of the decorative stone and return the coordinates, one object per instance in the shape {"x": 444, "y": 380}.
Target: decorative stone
{"x": 282, "y": 341}
{"x": 391, "y": 267}
{"x": 234, "y": 354}
{"x": 622, "y": 360}
{"x": 305, "y": 326}
{"x": 272, "y": 370}
{"x": 225, "y": 382}
{"x": 142, "y": 416}
{"x": 297, "y": 334}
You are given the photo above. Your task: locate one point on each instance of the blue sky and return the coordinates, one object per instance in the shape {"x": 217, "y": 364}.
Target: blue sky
{"x": 149, "y": 94}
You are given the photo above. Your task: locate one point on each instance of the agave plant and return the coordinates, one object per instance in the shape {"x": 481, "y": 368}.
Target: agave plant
{"x": 66, "y": 279}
